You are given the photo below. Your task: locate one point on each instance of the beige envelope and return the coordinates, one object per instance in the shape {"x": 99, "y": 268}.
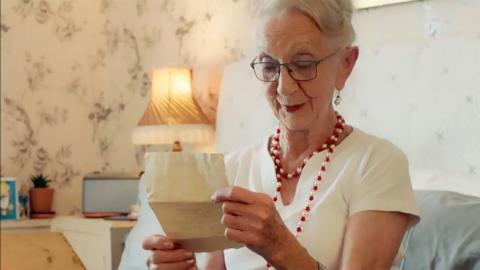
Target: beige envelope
{"x": 179, "y": 187}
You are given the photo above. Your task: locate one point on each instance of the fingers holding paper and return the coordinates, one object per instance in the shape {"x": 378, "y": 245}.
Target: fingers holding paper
{"x": 167, "y": 255}
{"x": 187, "y": 265}
{"x": 252, "y": 219}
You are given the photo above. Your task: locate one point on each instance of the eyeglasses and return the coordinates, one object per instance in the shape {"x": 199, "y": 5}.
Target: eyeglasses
{"x": 298, "y": 70}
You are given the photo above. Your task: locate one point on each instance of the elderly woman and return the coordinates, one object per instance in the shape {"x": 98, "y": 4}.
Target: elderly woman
{"x": 318, "y": 193}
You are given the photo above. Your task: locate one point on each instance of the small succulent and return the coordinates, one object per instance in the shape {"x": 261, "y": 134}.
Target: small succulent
{"x": 40, "y": 181}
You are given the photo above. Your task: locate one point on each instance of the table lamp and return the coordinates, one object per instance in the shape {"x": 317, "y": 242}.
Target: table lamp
{"x": 173, "y": 117}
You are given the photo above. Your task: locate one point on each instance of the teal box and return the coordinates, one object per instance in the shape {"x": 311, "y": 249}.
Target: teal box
{"x": 9, "y": 198}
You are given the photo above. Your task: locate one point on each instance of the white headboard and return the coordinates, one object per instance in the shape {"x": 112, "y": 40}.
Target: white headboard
{"x": 433, "y": 115}
{"x": 243, "y": 115}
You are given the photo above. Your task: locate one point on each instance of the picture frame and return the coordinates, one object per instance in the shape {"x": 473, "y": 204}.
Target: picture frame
{"x": 8, "y": 199}
{"x": 363, "y": 4}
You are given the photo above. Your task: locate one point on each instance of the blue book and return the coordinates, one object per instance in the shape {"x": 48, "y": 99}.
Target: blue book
{"x": 9, "y": 198}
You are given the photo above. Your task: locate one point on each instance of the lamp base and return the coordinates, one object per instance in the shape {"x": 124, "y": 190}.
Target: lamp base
{"x": 176, "y": 147}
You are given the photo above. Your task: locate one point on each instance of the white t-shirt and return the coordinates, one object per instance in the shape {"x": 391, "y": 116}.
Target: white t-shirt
{"x": 365, "y": 173}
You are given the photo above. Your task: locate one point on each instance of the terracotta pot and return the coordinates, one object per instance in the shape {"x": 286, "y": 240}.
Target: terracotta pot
{"x": 41, "y": 200}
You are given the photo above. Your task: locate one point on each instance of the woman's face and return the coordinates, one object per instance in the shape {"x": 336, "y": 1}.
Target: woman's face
{"x": 291, "y": 37}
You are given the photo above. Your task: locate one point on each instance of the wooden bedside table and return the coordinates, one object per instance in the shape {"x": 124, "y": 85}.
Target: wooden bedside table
{"x": 97, "y": 242}
{"x": 32, "y": 239}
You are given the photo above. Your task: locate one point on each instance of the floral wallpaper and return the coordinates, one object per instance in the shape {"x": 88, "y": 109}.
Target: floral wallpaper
{"x": 76, "y": 78}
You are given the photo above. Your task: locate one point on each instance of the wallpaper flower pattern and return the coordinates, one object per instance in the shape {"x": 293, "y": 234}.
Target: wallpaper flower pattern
{"x": 75, "y": 78}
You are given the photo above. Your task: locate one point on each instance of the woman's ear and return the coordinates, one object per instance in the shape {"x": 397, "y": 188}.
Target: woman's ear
{"x": 348, "y": 60}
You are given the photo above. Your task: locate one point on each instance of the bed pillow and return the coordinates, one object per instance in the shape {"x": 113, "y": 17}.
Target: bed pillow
{"x": 448, "y": 234}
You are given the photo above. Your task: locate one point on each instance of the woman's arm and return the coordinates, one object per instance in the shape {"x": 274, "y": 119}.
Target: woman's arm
{"x": 215, "y": 261}
{"x": 372, "y": 239}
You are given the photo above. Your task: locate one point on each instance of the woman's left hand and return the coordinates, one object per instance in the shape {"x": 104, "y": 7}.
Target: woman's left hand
{"x": 252, "y": 219}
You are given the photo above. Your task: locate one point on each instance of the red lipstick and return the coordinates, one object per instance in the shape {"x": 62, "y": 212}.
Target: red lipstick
{"x": 293, "y": 108}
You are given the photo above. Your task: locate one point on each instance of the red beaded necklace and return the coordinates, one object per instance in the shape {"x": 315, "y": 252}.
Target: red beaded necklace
{"x": 275, "y": 152}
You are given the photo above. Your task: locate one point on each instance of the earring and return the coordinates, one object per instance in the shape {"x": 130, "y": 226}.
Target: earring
{"x": 338, "y": 99}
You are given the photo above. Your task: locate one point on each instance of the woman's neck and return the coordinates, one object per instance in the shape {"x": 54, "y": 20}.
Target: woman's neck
{"x": 296, "y": 145}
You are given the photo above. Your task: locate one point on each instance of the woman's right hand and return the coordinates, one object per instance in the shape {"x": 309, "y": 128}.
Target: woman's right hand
{"x": 166, "y": 255}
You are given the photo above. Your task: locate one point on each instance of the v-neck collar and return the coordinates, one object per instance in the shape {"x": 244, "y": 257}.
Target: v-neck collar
{"x": 306, "y": 177}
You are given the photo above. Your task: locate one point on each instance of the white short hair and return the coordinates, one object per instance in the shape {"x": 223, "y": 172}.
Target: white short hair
{"x": 333, "y": 17}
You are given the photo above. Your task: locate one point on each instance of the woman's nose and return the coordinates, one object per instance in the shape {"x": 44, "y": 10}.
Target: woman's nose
{"x": 286, "y": 84}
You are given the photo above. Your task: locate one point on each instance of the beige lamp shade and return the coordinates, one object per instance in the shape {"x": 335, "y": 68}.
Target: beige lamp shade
{"x": 172, "y": 113}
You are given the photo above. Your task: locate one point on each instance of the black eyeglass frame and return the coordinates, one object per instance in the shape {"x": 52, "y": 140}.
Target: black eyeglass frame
{"x": 289, "y": 70}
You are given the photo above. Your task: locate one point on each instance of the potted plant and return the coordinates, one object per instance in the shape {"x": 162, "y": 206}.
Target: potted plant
{"x": 41, "y": 196}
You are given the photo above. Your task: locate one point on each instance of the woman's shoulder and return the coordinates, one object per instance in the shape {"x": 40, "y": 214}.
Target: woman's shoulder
{"x": 374, "y": 146}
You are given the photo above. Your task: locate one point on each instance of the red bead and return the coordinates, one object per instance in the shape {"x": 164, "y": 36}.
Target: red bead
{"x": 269, "y": 265}
{"x": 311, "y": 198}
{"x": 315, "y": 188}
{"x": 319, "y": 177}
{"x": 330, "y": 150}
{"x": 299, "y": 229}
{"x": 323, "y": 168}
{"x": 302, "y": 218}
{"x": 278, "y": 189}
{"x": 327, "y": 159}
{"x": 307, "y": 208}
{"x": 275, "y": 199}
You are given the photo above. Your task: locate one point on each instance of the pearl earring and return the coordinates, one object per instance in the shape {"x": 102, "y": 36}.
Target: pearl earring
{"x": 338, "y": 99}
